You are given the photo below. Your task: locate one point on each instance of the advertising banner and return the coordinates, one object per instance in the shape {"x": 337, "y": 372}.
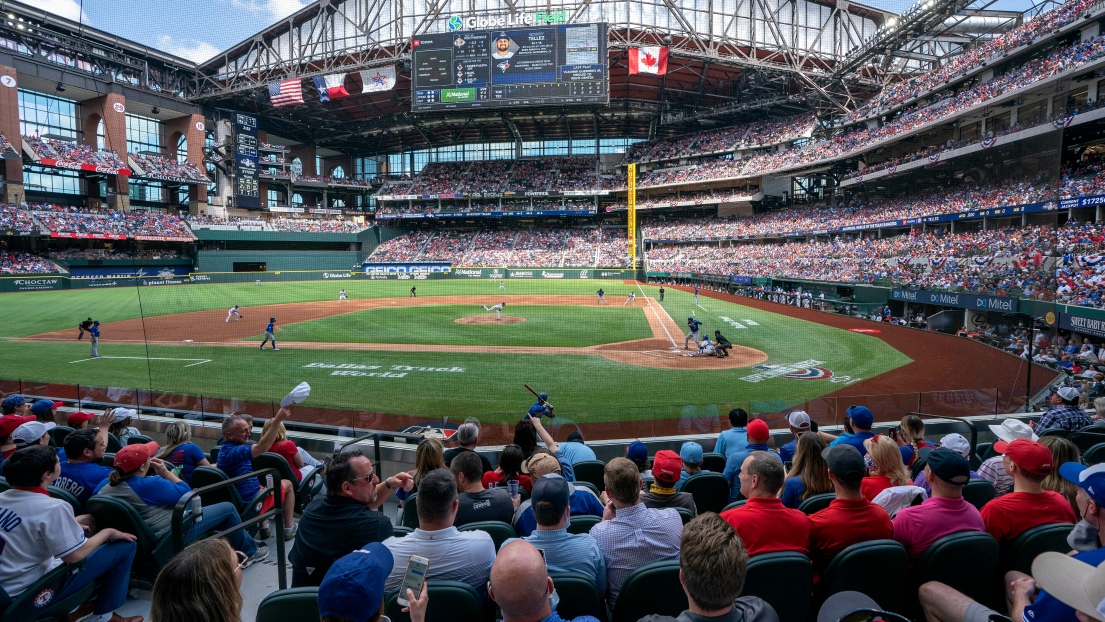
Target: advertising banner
{"x": 31, "y": 283}
{"x": 86, "y": 236}
{"x": 961, "y": 301}
{"x": 1093, "y": 327}
{"x": 428, "y": 267}
{"x": 81, "y": 166}
{"x": 163, "y": 238}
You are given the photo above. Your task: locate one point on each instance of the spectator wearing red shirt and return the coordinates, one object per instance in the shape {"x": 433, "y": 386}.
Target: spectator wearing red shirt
{"x": 945, "y": 512}
{"x": 764, "y": 524}
{"x": 283, "y": 447}
{"x": 850, "y": 518}
{"x": 1029, "y": 505}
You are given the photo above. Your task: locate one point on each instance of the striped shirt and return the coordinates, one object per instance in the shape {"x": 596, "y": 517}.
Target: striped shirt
{"x": 637, "y": 535}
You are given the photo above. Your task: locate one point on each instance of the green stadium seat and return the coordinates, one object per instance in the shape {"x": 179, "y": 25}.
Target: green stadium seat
{"x": 297, "y": 604}
{"x": 59, "y": 433}
{"x": 4, "y": 485}
{"x": 27, "y": 606}
{"x": 108, "y": 460}
{"x": 578, "y": 596}
{"x": 587, "y": 485}
{"x": 590, "y": 471}
{"x": 305, "y": 490}
{"x": 850, "y": 570}
{"x": 712, "y": 462}
{"x": 816, "y": 503}
{"x": 113, "y": 443}
{"x": 985, "y": 451}
{"x": 1055, "y": 432}
{"x": 1094, "y": 455}
{"x": 944, "y": 561}
{"x": 499, "y": 531}
{"x": 68, "y": 497}
{"x": 153, "y": 552}
{"x": 583, "y": 523}
{"x": 710, "y": 491}
{"x": 651, "y": 589}
{"x": 409, "y": 516}
{"x": 684, "y": 514}
{"x": 138, "y": 439}
{"x": 978, "y": 492}
{"x": 449, "y": 600}
{"x": 918, "y": 465}
{"x": 734, "y": 505}
{"x": 1086, "y": 438}
{"x": 399, "y": 531}
{"x": 784, "y": 580}
{"x": 1019, "y": 553}
{"x": 208, "y": 476}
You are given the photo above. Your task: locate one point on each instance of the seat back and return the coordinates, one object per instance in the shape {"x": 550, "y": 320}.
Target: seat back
{"x": 449, "y": 600}
{"x": 578, "y": 596}
{"x": 1055, "y": 432}
{"x": 590, "y": 471}
{"x": 304, "y": 491}
{"x": 784, "y": 580}
{"x": 113, "y": 443}
{"x": 4, "y": 485}
{"x": 499, "y": 531}
{"x": 59, "y": 433}
{"x": 68, "y": 497}
{"x": 138, "y": 439}
{"x": 39, "y": 600}
{"x": 713, "y": 462}
{"x": 734, "y": 505}
{"x": 582, "y": 523}
{"x": 410, "y": 512}
{"x": 399, "y": 531}
{"x": 816, "y": 503}
{"x": 685, "y": 515}
{"x": 1019, "y": 554}
{"x": 944, "y": 561}
{"x": 587, "y": 485}
{"x": 207, "y": 476}
{"x": 851, "y": 570}
{"x": 710, "y": 491}
{"x": 651, "y": 589}
{"x": 1094, "y": 455}
{"x": 1086, "y": 438}
{"x": 918, "y": 465}
{"x": 115, "y": 513}
{"x": 297, "y": 604}
{"x": 978, "y": 492}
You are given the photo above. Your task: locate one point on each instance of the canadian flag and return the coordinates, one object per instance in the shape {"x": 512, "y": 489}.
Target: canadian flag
{"x": 648, "y": 60}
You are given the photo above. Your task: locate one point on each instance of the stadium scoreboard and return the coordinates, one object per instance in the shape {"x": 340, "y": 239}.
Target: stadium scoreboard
{"x": 538, "y": 66}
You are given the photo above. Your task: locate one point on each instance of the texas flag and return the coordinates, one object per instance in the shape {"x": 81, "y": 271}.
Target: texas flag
{"x": 331, "y": 87}
{"x": 648, "y": 60}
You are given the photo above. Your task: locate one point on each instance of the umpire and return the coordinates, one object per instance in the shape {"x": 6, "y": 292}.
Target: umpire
{"x": 83, "y": 327}
{"x": 722, "y": 346}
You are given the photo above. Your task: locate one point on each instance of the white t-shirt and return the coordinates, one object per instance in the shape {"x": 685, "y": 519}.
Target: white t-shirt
{"x": 35, "y": 530}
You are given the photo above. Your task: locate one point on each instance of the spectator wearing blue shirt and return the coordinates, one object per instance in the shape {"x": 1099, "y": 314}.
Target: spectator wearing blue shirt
{"x": 758, "y": 435}
{"x": 236, "y": 458}
{"x": 81, "y": 472}
{"x": 800, "y": 423}
{"x": 521, "y": 586}
{"x": 736, "y": 437}
{"x": 582, "y": 500}
{"x": 181, "y": 452}
{"x": 691, "y": 455}
{"x": 154, "y": 497}
{"x": 574, "y": 449}
{"x": 857, "y": 428}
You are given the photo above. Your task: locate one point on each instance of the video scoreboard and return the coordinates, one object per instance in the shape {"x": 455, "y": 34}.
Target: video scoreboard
{"x": 247, "y": 190}
{"x": 538, "y": 66}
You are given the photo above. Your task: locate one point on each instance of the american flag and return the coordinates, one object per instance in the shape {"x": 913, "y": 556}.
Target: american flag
{"x": 285, "y": 93}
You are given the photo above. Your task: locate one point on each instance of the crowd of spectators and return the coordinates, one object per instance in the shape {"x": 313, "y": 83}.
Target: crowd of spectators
{"x": 109, "y": 253}
{"x": 745, "y": 136}
{"x": 71, "y": 219}
{"x": 556, "y": 174}
{"x": 696, "y": 197}
{"x": 18, "y": 219}
{"x": 74, "y": 152}
{"x": 157, "y": 165}
{"x": 528, "y": 247}
{"x": 314, "y": 225}
{"x": 402, "y": 248}
{"x": 25, "y": 263}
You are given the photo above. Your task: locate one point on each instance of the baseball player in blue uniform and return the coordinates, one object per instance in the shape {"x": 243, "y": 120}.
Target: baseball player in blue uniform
{"x": 541, "y": 408}
{"x": 693, "y": 325}
{"x": 696, "y": 295}
{"x": 270, "y": 334}
{"x": 94, "y": 337}
{"x": 602, "y": 297}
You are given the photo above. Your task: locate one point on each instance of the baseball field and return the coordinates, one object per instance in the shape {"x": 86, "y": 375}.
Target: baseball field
{"x": 385, "y": 359}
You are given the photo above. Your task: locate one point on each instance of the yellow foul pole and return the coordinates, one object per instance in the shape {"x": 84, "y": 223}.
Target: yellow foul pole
{"x": 631, "y": 200}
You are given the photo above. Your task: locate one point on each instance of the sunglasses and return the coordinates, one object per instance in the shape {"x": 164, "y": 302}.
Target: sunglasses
{"x": 367, "y": 478}
{"x": 242, "y": 559}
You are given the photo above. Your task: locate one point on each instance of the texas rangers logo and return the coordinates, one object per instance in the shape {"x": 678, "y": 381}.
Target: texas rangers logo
{"x": 379, "y": 79}
{"x": 44, "y": 597}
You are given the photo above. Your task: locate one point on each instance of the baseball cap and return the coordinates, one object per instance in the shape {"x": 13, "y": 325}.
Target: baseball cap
{"x": 847, "y": 606}
{"x": 78, "y": 418}
{"x": 637, "y": 451}
{"x": 799, "y": 419}
{"x": 30, "y": 432}
{"x": 575, "y": 437}
{"x": 1012, "y": 429}
{"x": 9, "y": 423}
{"x": 667, "y": 466}
{"x": 353, "y": 588}
{"x": 1069, "y": 393}
{"x": 861, "y": 417}
{"x": 132, "y": 457}
{"x": 1028, "y": 455}
{"x": 122, "y": 413}
{"x": 1072, "y": 582}
{"x": 1091, "y": 479}
{"x": 541, "y": 464}
{"x": 949, "y": 466}
{"x": 551, "y": 495}
{"x": 691, "y": 453}
{"x": 758, "y": 430}
{"x": 957, "y": 443}
{"x": 845, "y": 462}
{"x": 43, "y": 406}
{"x": 13, "y": 400}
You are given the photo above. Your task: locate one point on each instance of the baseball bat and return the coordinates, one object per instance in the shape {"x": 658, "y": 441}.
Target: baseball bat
{"x": 546, "y": 402}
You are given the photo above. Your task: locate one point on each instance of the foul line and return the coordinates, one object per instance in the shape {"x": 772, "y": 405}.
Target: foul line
{"x": 702, "y": 307}
{"x": 142, "y": 358}
{"x": 658, "y": 318}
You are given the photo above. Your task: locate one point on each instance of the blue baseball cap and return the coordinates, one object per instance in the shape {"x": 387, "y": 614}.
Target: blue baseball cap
{"x": 551, "y": 495}
{"x": 1091, "y": 479}
{"x": 861, "y": 417}
{"x": 41, "y": 407}
{"x": 691, "y": 453}
{"x": 13, "y": 401}
{"x": 637, "y": 451}
{"x": 353, "y": 588}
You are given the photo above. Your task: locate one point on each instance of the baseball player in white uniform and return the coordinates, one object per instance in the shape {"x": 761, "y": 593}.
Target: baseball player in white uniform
{"x": 498, "y": 309}
{"x": 705, "y": 348}
{"x": 257, "y": 282}
{"x": 233, "y": 312}
{"x": 502, "y": 285}
{"x": 631, "y": 299}
{"x": 341, "y": 297}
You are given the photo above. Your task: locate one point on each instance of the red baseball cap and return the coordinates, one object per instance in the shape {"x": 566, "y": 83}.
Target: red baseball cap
{"x": 758, "y": 430}
{"x": 78, "y": 418}
{"x": 1029, "y": 455}
{"x": 132, "y": 457}
{"x": 9, "y": 423}
{"x": 666, "y": 466}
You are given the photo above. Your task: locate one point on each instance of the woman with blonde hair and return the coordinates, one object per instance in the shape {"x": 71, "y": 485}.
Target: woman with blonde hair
{"x": 1062, "y": 451}
{"x": 202, "y": 583}
{"x": 283, "y": 447}
{"x": 430, "y": 455}
{"x": 181, "y": 452}
{"x": 810, "y": 473}
{"x": 888, "y": 469}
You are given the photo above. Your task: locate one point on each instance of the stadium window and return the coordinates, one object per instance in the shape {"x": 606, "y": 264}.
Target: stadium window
{"x": 275, "y": 197}
{"x": 583, "y": 147}
{"x": 100, "y": 140}
{"x": 143, "y": 134}
{"x": 338, "y": 173}
{"x": 182, "y": 149}
{"x": 318, "y": 165}
{"x": 337, "y": 203}
{"x": 364, "y": 168}
{"x": 297, "y": 200}
{"x": 41, "y": 114}
{"x": 55, "y": 181}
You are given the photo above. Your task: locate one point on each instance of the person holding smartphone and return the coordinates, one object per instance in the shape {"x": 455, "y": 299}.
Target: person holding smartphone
{"x": 353, "y": 589}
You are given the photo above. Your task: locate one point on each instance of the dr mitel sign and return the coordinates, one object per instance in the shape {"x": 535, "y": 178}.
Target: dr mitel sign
{"x": 961, "y": 301}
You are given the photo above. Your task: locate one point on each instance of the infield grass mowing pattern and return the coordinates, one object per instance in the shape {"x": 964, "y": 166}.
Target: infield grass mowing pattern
{"x": 545, "y": 325}
{"x": 590, "y": 388}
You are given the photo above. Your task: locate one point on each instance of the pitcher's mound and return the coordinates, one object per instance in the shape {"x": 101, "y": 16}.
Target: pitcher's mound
{"x": 489, "y": 319}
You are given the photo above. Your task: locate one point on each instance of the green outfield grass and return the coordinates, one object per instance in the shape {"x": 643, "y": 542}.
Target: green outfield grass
{"x": 489, "y": 385}
{"x": 436, "y": 324}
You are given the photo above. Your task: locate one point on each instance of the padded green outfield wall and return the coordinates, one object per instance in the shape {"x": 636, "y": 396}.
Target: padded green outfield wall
{"x": 277, "y": 261}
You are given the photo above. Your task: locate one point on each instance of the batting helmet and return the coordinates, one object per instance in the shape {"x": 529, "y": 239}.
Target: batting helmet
{"x": 543, "y": 396}
{"x": 272, "y": 319}
{"x": 690, "y": 319}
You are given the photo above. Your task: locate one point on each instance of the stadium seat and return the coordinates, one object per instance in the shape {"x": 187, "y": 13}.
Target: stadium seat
{"x": 59, "y": 433}
{"x": 153, "y": 552}
{"x": 449, "y": 600}
{"x": 710, "y": 491}
{"x": 4, "y": 485}
{"x": 590, "y": 471}
{"x": 587, "y": 485}
{"x": 138, "y": 439}
{"x": 715, "y": 463}
{"x": 978, "y": 492}
{"x": 944, "y": 561}
{"x": 651, "y": 589}
{"x": 817, "y": 503}
{"x": 684, "y": 514}
{"x": 578, "y": 596}
{"x": 1055, "y": 432}
{"x": 917, "y": 466}
{"x": 409, "y": 516}
{"x": 1094, "y": 455}
{"x": 499, "y": 531}
{"x": 784, "y": 580}
{"x": 583, "y": 523}
{"x": 27, "y": 605}
{"x": 850, "y": 570}
{"x": 1019, "y": 554}
{"x": 208, "y": 476}
{"x": 297, "y": 604}
{"x": 113, "y": 443}
{"x": 305, "y": 491}
{"x": 734, "y": 505}
{"x": 399, "y": 531}
{"x": 1086, "y": 438}
{"x": 68, "y": 497}
{"x": 646, "y": 481}
{"x": 213, "y": 455}
{"x": 985, "y": 451}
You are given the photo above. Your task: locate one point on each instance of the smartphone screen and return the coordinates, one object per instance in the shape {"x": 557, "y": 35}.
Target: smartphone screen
{"x": 413, "y": 578}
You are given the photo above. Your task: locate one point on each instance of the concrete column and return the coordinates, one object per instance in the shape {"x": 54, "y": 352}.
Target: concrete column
{"x": 111, "y": 108}
{"x": 9, "y": 127}
{"x": 192, "y": 127}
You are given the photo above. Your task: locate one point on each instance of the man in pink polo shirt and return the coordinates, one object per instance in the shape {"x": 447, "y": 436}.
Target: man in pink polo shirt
{"x": 944, "y": 513}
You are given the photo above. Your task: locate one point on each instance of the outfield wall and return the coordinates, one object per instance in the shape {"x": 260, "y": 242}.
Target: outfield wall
{"x": 276, "y": 261}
